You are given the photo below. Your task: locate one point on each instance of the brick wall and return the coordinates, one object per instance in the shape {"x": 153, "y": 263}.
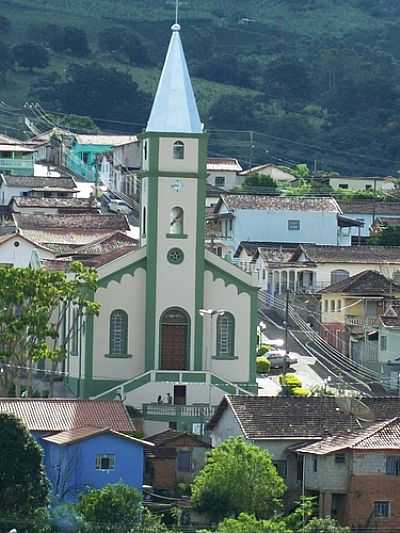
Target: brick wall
{"x": 364, "y": 490}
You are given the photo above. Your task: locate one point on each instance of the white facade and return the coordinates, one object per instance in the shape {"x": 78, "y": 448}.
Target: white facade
{"x": 17, "y": 251}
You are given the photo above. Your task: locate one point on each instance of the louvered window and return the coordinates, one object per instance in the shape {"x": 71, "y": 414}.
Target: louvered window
{"x": 393, "y": 465}
{"x": 225, "y": 335}
{"x": 118, "y": 332}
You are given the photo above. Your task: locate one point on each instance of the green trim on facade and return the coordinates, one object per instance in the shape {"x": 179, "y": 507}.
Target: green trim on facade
{"x": 200, "y": 259}
{"x": 117, "y": 276}
{"x": 173, "y": 236}
{"x": 136, "y": 383}
{"x": 164, "y": 174}
{"x": 152, "y": 240}
{"x": 223, "y": 385}
{"x": 84, "y": 382}
{"x": 195, "y": 378}
{"x": 229, "y": 279}
{"x": 162, "y": 377}
{"x": 97, "y": 386}
{"x": 253, "y": 338}
{"x": 225, "y": 357}
{"x": 118, "y": 355}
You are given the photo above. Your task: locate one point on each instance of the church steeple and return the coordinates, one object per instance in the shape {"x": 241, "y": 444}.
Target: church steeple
{"x": 174, "y": 109}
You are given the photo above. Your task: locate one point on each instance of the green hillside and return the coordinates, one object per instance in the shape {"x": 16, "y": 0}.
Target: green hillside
{"x": 318, "y": 81}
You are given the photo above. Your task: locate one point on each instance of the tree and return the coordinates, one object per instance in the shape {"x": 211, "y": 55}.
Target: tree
{"x": 24, "y": 487}
{"x": 260, "y": 181}
{"x": 103, "y": 92}
{"x": 72, "y": 40}
{"x": 5, "y": 24}
{"x": 238, "y": 477}
{"x": 33, "y": 306}
{"x": 6, "y": 58}
{"x": 31, "y": 55}
{"x": 325, "y": 525}
{"x": 114, "y": 508}
{"x": 120, "y": 41}
{"x": 389, "y": 236}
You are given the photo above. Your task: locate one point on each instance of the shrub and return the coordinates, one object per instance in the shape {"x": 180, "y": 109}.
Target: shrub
{"x": 300, "y": 391}
{"x": 263, "y": 349}
{"x": 263, "y": 365}
{"x": 290, "y": 381}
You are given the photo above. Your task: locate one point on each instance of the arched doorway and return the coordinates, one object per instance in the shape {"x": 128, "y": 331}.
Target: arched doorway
{"x": 174, "y": 339}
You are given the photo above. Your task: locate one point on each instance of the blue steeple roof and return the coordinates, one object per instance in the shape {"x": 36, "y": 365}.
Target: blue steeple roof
{"x": 174, "y": 108}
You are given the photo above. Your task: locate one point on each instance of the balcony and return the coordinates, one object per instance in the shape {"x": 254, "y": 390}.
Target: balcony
{"x": 173, "y": 413}
{"x": 16, "y": 166}
{"x": 355, "y": 321}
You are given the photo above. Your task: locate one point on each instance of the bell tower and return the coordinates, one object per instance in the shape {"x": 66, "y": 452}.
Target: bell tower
{"x": 174, "y": 177}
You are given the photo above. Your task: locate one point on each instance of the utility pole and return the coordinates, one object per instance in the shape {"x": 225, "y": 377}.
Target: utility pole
{"x": 286, "y": 356}
{"x": 251, "y": 155}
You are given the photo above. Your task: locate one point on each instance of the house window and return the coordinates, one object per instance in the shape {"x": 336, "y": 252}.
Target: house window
{"x": 219, "y": 251}
{"x": 105, "y": 461}
{"x": 220, "y": 181}
{"x": 85, "y": 157}
{"x": 326, "y": 306}
{"x": 225, "y": 335}
{"x": 340, "y": 458}
{"x": 179, "y": 150}
{"x": 393, "y": 465}
{"x": 382, "y": 509}
{"x": 315, "y": 464}
{"x": 118, "y": 332}
{"x": 184, "y": 461}
{"x": 176, "y": 221}
{"x": 281, "y": 468}
{"x": 145, "y": 150}
{"x": 144, "y": 221}
{"x": 293, "y": 225}
{"x": 339, "y": 275}
{"x": 343, "y": 186}
{"x": 333, "y": 306}
{"x": 339, "y": 306}
{"x": 383, "y": 343}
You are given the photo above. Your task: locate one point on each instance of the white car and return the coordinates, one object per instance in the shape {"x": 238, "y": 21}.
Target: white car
{"x": 119, "y": 206}
{"x": 279, "y": 359}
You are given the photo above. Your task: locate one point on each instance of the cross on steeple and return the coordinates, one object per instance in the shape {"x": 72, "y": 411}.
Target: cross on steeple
{"x": 177, "y": 12}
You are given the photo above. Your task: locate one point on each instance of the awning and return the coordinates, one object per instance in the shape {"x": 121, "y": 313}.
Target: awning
{"x": 346, "y": 222}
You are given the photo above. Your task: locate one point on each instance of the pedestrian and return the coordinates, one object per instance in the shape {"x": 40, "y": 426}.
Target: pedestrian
{"x": 159, "y": 399}
{"x": 169, "y": 399}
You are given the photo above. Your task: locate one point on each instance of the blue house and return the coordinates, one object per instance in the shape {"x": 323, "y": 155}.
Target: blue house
{"x": 90, "y": 458}
{"x": 87, "y": 443}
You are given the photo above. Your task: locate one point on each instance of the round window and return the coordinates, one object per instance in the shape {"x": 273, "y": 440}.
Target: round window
{"x": 16, "y": 244}
{"x": 175, "y": 256}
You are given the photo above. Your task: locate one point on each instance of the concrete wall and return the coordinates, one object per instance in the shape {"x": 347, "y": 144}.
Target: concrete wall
{"x": 361, "y": 184}
{"x": 263, "y": 225}
{"x": 232, "y": 179}
{"x": 18, "y": 252}
{"x": 8, "y": 193}
{"x": 329, "y": 477}
{"x": 169, "y": 164}
{"x": 392, "y": 350}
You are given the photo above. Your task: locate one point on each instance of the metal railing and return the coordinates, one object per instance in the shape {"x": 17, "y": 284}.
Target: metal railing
{"x": 203, "y": 412}
{"x": 352, "y": 320}
{"x": 16, "y": 164}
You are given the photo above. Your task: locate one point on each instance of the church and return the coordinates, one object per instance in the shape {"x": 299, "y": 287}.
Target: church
{"x": 177, "y": 327}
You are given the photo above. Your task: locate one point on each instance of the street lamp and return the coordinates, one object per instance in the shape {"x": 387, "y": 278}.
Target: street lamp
{"x": 210, "y": 313}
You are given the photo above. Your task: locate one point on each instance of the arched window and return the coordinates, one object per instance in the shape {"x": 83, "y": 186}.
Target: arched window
{"x": 118, "y": 332}
{"x": 339, "y": 275}
{"x": 176, "y": 221}
{"x": 179, "y": 150}
{"x": 225, "y": 335}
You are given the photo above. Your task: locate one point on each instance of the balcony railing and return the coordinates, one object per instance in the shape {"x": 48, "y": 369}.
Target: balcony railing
{"x": 16, "y": 164}
{"x": 156, "y": 411}
{"x": 362, "y": 322}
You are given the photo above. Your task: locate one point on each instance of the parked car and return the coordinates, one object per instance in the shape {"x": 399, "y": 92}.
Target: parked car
{"x": 279, "y": 358}
{"x": 119, "y": 206}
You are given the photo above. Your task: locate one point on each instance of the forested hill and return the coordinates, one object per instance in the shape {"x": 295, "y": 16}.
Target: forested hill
{"x": 314, "y": 79}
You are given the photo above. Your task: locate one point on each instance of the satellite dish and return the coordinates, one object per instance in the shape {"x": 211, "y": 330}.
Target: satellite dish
{"x": 356, "y": 408}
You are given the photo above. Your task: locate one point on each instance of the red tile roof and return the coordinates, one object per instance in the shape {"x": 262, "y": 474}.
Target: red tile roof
{"x": 64, "y": 414}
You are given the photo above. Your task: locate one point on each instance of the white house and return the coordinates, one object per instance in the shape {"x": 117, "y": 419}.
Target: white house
{"x": 224, "y": 173}
{"x": 273, "y": 171}
{"x": 13, "y": 186}
{"x": 245, "y": 217}
{"x": 356, "y": 183}
{"x": 16, "y": 250}
{"x": 177, "y": 324}
{"x": 368, "y": 211}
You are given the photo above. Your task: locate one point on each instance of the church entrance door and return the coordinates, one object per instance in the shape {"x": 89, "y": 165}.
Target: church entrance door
{"x": 174, "y": 342}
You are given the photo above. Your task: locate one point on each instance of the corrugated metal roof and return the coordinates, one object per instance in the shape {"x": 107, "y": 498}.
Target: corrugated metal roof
{"x": 75, "y": 435}
{"x": 65, "y": 414}
{"x": 112, "y": 140}
{"x": 223, "y": 164}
